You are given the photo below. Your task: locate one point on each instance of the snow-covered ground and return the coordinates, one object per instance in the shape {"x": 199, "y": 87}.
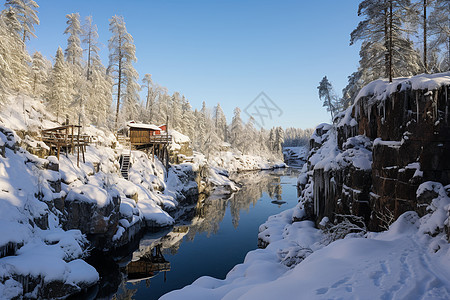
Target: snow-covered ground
{"x": 411, "y": 260}
{"x": 234, "y": 161}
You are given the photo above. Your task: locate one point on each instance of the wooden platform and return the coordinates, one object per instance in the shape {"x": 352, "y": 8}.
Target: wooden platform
{"x": 68, "y": 138}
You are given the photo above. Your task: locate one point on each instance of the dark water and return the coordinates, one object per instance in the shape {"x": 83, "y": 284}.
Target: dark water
{"x": 209, "y": 239}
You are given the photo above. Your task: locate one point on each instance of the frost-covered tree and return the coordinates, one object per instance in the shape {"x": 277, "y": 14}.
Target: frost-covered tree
{"x": 40, "y": 69}
{"x": 151, "y": 95}
{"x": 439, "y": 29}
{"x": 385, "y": 52}
{"x": 220, "y": 123}
{"x": 328, "y": 97}
{"x": 73, "y": 52}
{"x": 26, "y": 11}
{"x": 131, "y": 105}
{"x": 122, "y": 54}
{"x": 236, "y": 130}
{"x": 350, "y": 91}
{"x": 90, "y": 40}
{"x": 175, "y": 110}
{"x": 100, "y": 96}
{"x": 188, "y": 119}
{"x": 14, "y": 68}
{"x": 59, "y": 88}
{"x": 279, "y": 140}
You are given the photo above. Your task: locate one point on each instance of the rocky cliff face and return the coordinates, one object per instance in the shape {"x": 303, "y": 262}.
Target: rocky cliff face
{"x": 406, "y": 127}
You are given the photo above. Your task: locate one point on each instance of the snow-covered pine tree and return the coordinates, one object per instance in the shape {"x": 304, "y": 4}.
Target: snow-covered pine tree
{"x": 152, "y": 93}
{"x": 26, "y": 11}
{"x": 439, "y": 29}
{"x": 100, "y": 96}
{"x": 175, "y": 111}
{"x": 236, "y": 130}
{"x": 90, "y": 39}
{"x": 328, "y": 97}
{"x": 73, "y": 52}
{"x": 122, "y": 54}
{"x": 350, "y": 91}
{"x": 385, "y": 52}
{"x": 14, "y": 59}
{"x": 59, "y": 89}
{"x": 161, "y": 107}
{"x": 250, "y": 137}
{"x": 220, "y": 123}
{"x": 200, "y": 129}
{"x": 131, "y": 104}
{"x": 188, "y": 118}
{"x": 279, "y": 140}
{"x": 40, "y": 71}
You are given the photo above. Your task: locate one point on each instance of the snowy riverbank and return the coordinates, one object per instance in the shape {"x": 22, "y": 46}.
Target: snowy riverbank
{"x": 52, "y": 211}
{"x": 345, "y": 261}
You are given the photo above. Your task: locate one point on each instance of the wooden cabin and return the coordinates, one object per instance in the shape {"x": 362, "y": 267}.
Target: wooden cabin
{"x": 143, "y": 134}
{"x": 150, "y": 138}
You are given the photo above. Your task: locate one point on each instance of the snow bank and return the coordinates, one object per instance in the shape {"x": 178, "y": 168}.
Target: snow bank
{"x": 404, "y": 262}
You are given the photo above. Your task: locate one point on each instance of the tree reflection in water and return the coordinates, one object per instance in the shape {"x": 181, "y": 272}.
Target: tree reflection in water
{"x": 207, "y": 216}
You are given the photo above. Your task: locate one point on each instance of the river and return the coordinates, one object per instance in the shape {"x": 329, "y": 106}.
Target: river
{"x": 209, "y": 238}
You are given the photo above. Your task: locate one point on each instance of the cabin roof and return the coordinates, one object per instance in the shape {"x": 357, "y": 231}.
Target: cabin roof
{"x": 144, "y": 126}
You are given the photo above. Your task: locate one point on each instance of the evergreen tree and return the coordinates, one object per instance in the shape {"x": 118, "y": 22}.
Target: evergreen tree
{"x": 122, "y": 54}
{"x": 131, "y": 100}
{"x": 439, "y": 29}
{"x": 90, "y": 39}
{"x": 14, "y": 68}
{"x": 236, "y": 130}
{"x": 26, "y": 11}
{"x": 59, "y": 91}
{"x": 220, "y": 123}
{"x": 385, "y": 52}
{"x": 100, "y": 96}
{"x": 40, "y": 69}
{"x": 329, "y": 98}
{"x": 73, "y": 52}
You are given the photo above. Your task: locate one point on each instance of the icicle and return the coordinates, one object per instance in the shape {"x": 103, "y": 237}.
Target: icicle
{"x": 446, "y": 105}
{"x": 435, "y": 106}
{"x": 417, "y": 106}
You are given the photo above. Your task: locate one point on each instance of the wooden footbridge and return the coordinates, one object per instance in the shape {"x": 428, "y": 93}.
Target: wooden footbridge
{"x": 65, "y": 138}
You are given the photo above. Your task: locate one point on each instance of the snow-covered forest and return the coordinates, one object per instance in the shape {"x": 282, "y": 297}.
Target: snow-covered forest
{"x": 81, "y": 89}
{"x": 398, "y": 38}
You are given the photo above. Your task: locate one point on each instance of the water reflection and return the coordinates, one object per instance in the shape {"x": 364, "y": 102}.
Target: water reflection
{"x": 157, "y": 257}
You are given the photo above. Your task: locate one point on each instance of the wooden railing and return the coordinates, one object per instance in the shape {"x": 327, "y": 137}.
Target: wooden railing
{"x": 67, "y": 137}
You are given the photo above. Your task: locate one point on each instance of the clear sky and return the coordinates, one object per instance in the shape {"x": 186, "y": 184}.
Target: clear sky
{"x": 227, "y": 51}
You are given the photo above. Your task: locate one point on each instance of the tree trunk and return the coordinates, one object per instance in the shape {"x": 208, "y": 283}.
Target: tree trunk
{"x": 118, "y": 91}
{"x": 425, "y": 64}
{"x": 89, "y": 58}
{"x": 386, "y": 40}
{"x": 390, "y": 40}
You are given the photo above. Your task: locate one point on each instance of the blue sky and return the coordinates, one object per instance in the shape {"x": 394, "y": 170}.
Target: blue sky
{"x": 227, "y": 51}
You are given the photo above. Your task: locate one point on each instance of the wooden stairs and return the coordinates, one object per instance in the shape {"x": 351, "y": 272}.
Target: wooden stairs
{"x": 125, "y": 164}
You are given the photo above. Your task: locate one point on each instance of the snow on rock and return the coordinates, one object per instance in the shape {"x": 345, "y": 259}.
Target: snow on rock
{"x": 381, "y": 89}
{"x": 91, "y": 194}
{"x": 236, "y": 162}
{"x": 178, "y": 137}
